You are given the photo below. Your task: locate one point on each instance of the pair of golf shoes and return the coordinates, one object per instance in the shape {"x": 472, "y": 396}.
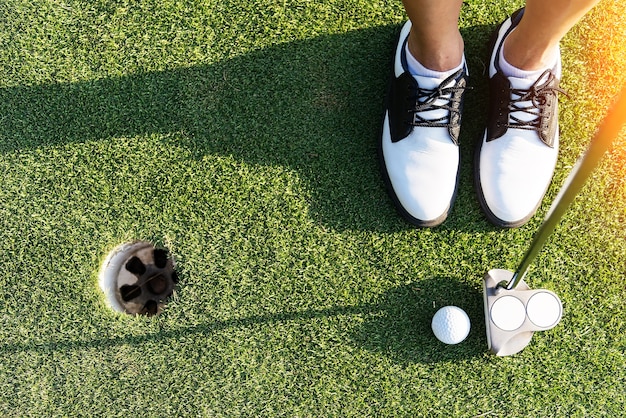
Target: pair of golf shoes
{"x": 514, "y": 160}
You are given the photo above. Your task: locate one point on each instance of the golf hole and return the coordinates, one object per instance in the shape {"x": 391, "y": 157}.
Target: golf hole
{"x": 138, "y": 278}
{"x": 508, "y": 313}
{"x": 544, "y": 309}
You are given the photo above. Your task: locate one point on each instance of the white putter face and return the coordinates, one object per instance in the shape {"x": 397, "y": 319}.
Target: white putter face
{"x": 512, "y": 316}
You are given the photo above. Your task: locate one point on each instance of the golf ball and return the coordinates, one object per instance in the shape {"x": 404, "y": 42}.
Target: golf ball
{"x": 450, "y": 325}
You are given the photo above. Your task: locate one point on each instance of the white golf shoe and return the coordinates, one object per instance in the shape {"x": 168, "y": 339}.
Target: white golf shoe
{"x": 419, "y": 146}
{"x": 515, "y": 159}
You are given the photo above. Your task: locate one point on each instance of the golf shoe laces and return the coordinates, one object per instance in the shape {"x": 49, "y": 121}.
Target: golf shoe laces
{"x": 447, "y": 97}
{"x": 534, "y": 107}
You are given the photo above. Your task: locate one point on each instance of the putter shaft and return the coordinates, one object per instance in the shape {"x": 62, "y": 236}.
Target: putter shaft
{"x": 608, "y": 130}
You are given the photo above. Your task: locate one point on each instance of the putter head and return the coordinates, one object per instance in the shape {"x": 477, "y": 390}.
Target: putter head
{"x": 512, "y": 316}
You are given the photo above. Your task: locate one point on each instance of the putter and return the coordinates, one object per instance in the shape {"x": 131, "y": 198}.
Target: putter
{"x": 513, "y": 312}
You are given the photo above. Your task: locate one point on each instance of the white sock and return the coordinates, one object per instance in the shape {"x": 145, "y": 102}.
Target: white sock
{"x": 416, "y": 67}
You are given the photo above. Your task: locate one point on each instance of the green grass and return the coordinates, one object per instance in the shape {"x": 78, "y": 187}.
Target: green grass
{"x": 242, "y": 136}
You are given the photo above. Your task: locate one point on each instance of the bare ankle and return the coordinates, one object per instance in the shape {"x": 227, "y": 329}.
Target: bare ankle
{"x": 439, "y": 55}
{"x": 526, "y": 54}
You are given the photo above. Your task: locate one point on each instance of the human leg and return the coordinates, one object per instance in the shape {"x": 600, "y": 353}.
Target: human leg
{"x": 544, "y": 23}
{"x": 435, "y": 40}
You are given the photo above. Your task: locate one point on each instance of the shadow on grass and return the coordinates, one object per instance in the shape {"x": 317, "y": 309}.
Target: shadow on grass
{"x": 400, "y": 326}
{"x": 315, "y": 106}
{"x": 396, "y": 325}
